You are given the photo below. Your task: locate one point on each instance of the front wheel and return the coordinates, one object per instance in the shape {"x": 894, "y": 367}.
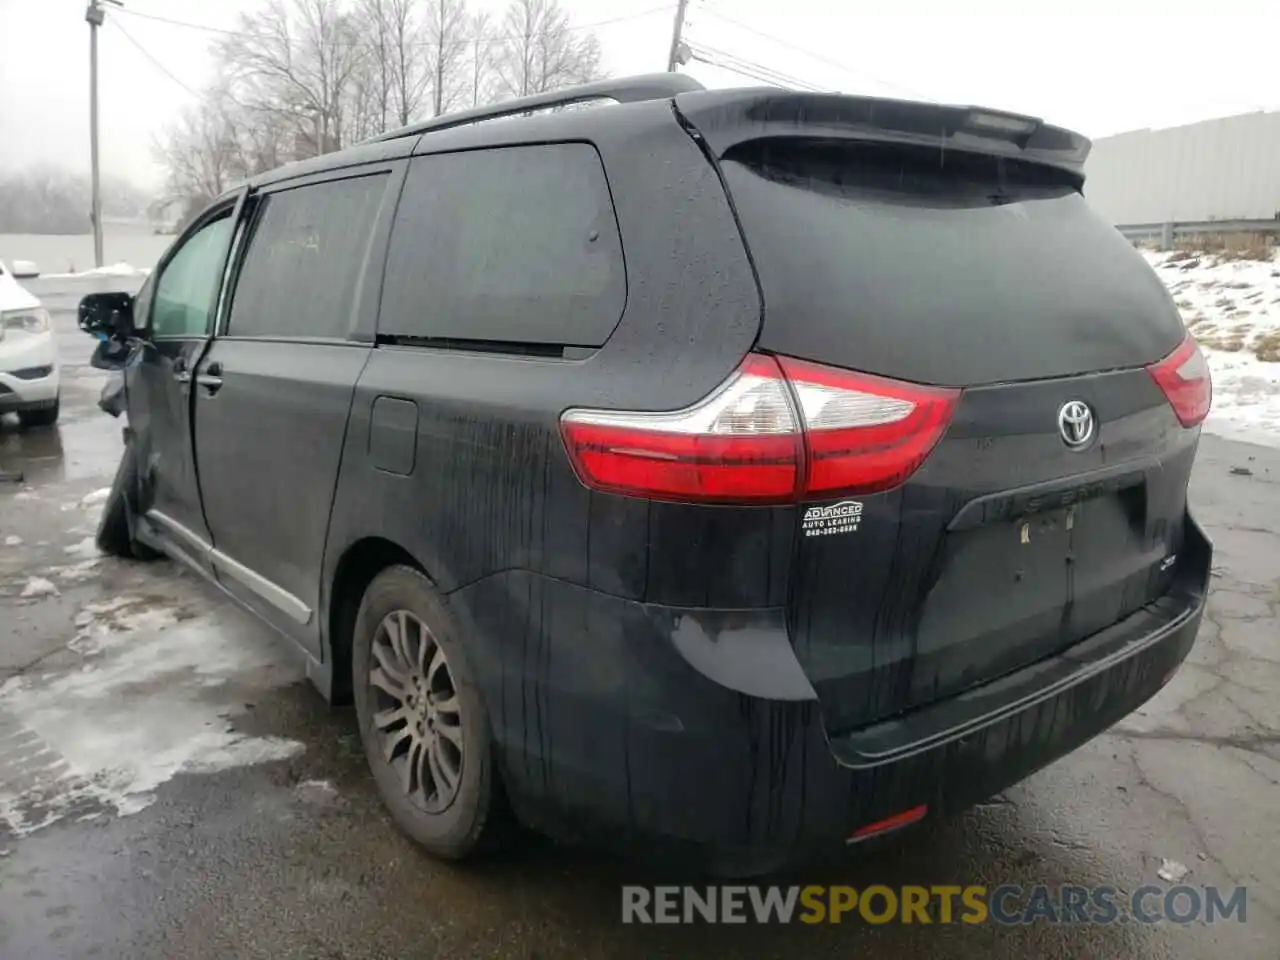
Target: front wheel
{"x": 421, "y": 717}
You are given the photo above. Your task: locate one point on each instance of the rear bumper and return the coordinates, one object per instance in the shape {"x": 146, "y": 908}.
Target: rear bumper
{"x": 964, "y": 749}
{"x": 614, "y": 727}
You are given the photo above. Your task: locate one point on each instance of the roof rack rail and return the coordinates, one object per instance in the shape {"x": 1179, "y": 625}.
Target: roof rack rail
{"x": 648, "y": 86}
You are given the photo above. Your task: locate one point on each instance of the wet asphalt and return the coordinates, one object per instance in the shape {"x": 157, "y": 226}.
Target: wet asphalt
{"x": 143, "y": 667}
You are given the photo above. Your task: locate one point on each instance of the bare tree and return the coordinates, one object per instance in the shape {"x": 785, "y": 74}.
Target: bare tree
{"x": 481, "y": 56}
{"x": 410, "y": 78}
{"x": 373, "y": 23}
{"x": 296, "y": 60}
{"x": 302, "y": 77}
{"x": 218, "y": 143}
{"x": 265, "y": 140}
{"x": 541, "y": 50}
{"x": 446, "y": 32}
{"x": 362, "y": 109}
{"x": 201, "y": 153}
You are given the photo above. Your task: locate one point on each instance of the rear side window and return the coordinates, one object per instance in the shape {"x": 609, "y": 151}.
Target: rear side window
{"x": 516, "y": 245}
{"x": 305, "y": 258}
{"x": 938, "y": 267}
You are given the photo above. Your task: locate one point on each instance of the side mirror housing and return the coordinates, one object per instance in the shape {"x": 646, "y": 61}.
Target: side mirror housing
{"x": 107, "y": 315}
{"x": 111, "y": 355}
{"x": 25, "y": 270}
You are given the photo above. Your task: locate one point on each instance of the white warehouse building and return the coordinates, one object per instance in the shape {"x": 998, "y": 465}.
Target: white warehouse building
{"x": 1225, "y": 169}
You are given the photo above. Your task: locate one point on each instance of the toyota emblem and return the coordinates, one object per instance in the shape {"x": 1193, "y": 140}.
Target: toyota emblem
{"x": 1075, "y": 423}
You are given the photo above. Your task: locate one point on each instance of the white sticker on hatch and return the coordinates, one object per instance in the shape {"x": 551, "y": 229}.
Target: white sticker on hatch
{"x": 842, "y": 517}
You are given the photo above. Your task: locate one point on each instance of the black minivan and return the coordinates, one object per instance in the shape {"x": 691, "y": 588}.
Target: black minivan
{"x": 733, "y": 474}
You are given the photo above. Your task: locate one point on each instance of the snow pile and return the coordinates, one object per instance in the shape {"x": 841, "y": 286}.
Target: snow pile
{"x": 120, "y": 269}
{"x": 77, "y": 572}
{"x": 39, "y": 587}
{"x": 1171, "y": 871}
{"x": 96, "y": 497}
{"x": 85, "y": 549}
{"x": 1233, "y": 308}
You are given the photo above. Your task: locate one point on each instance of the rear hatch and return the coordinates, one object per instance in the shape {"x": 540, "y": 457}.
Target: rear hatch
{"x": 919, "y": 244}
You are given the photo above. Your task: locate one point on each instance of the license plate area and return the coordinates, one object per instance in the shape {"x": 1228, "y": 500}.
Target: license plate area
{"x": 1021, "y": 587}
{"x": 1129, "y": 485}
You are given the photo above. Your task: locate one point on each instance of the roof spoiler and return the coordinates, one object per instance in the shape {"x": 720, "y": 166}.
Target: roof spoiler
{"x": 726, "y": 118}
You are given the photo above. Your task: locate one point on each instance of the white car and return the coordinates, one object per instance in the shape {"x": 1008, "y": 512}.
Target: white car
{"x": 28, "y": 356}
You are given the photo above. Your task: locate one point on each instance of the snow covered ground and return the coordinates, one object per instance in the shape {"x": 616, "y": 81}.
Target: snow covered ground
{"x": 121, "y": 269}
{"x": 155, "y": 693}
{"x": 1233, "y": 308}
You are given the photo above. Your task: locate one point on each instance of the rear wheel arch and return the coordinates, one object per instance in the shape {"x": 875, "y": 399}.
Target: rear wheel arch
{"x": 360, "y": 563}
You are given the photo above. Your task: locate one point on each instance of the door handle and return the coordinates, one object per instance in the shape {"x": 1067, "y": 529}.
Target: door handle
{"x": 211, "y": 379}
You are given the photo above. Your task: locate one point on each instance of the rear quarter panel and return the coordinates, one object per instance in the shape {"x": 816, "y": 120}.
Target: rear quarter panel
{"x": 491, "y": 488}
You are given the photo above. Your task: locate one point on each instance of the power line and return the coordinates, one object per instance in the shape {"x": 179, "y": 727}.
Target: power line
{"x": 811, "y": 54}
{"x": 702, "y": 57}
{"x": 664, "y": 8}
{"x": 749, "y": 68}
{"x": 154, "y": 62}
{"x": 767, "y": 72}
{"x": 183, "y": 23}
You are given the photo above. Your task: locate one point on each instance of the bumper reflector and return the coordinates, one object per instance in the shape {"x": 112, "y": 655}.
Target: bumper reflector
{"x": 889, "y": 824}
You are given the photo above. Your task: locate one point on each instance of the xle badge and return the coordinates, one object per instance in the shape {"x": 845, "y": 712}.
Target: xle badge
{"x": 842, "y": 517}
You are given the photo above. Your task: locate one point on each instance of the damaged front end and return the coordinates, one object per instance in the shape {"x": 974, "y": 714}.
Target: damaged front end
{"x": 114, "y": 357}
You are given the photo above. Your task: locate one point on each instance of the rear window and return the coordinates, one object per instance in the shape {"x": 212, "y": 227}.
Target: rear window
{"x": 940, "y": 267}
{"x": 517, "y": 245}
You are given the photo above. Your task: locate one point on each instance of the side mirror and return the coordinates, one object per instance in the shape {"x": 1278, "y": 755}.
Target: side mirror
{"x": 107, "y": 315}
{"x": 25, "y": 270}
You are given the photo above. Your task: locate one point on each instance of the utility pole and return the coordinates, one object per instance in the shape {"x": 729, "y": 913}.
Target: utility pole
{"x": 93, "y": 16}
{"x": 674, "y": 57}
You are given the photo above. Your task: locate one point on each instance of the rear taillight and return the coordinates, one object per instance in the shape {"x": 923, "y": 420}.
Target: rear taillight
{"x": 739, "y": 445}
{"x": 1184, "y": 378}
{"x": 751, "y": 442}
{"x": 864, "y": 434}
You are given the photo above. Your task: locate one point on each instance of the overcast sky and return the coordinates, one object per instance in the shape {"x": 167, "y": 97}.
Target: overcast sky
{"x": 1099, "y": 66}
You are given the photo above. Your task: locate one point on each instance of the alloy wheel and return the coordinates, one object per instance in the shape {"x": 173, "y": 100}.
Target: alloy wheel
{"x": 415, "y": 710}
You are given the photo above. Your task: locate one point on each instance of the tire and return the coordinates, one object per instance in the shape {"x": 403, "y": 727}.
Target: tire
{"x": 448, "y": 816}
{"x": 40, "y": 417}
{"x": 115, "y": 534}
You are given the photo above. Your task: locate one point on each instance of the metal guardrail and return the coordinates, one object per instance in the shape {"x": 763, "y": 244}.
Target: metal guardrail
{"x": 1166, "y": 233}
